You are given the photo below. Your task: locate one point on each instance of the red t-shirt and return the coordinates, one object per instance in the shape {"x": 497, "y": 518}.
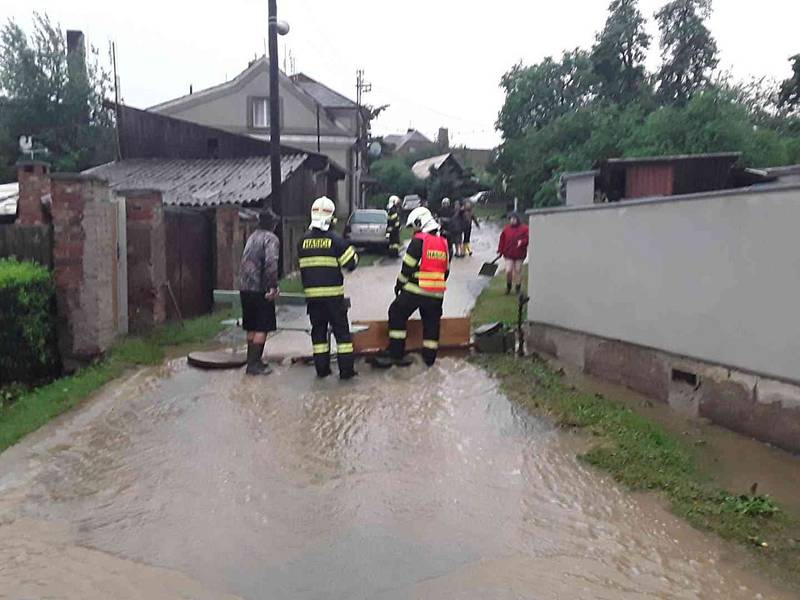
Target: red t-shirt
{"x": 514, "y": 242}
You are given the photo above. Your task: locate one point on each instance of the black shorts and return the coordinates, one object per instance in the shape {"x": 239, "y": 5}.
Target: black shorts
{"x": 258, "y": 313}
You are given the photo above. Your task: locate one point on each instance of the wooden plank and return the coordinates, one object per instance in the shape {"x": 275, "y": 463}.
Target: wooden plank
{"x": 454, "y": 333}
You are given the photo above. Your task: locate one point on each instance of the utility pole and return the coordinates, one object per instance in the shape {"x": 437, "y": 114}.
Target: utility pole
{"x": 275, "y": 114}
{"x": 362, "y": 87}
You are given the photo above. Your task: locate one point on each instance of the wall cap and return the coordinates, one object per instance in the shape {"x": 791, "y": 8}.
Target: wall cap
{"x": 755, "y": 189}
{"x": 77, "y": 177}
{"x": 31, "y": 163}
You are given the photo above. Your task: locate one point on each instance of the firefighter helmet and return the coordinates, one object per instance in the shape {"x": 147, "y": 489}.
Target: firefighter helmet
{"x": 421, "y": 219}
{"x": 393, "y": 201}
{"x": 322, "y": 212}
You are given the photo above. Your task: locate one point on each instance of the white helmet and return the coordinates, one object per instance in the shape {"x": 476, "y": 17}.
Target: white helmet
{"x": 393, "y": 201}
{"x": 445, "y": 201}
{"x": 421, "y": 219}
{"x": 322, "y": 212}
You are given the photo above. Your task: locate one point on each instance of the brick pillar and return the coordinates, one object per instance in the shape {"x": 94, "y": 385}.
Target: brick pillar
{"x": 147, "y": 259}
{"x": 34, "y": 183}
{"x": 84, "y": 253}
{"x": 227, "y": 256}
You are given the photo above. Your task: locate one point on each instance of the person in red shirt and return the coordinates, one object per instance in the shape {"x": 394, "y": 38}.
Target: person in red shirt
{"x": 513, "y": 247}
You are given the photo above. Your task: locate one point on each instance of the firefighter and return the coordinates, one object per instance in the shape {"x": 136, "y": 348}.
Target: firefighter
{"x": 322, "y": 256}
{"x": 420, "y": 286}
{"x": 393, "y": 227}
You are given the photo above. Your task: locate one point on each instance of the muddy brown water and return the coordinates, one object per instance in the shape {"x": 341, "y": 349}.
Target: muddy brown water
{"x": 176, "y": 483}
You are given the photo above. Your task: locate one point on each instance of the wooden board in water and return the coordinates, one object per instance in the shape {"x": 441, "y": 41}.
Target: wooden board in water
{"x": 455, "y": 333}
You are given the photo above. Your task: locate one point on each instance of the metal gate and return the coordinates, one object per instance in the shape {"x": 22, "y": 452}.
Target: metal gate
{"x": 189, "y": 261}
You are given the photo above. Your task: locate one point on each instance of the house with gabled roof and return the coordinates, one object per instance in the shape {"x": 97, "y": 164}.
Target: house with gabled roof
{"x": 314, "y": 118}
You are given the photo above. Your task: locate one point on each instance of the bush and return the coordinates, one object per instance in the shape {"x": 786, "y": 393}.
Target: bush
{"x": 27, "y": 324}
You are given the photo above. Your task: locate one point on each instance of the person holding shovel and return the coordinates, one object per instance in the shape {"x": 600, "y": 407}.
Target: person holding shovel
{"x": 258, "y": 289}
{"x": 513, "y": 247}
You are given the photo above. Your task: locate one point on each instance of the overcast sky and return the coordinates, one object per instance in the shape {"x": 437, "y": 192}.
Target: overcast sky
{"x": 436, "y": 62}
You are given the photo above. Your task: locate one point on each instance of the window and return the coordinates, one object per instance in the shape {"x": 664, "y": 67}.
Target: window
{"x": 259, "y": 113}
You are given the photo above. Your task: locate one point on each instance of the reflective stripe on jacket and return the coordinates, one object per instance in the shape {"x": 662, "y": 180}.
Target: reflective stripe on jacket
{"x": 322, "y": 256}
{"x": 429, "y": 277}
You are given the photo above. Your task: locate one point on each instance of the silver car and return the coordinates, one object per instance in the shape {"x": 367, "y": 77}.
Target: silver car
{"x": 367, "y": 228}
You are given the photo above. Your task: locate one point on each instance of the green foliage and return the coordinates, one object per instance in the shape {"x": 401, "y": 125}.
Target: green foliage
{"x": 789, "y": 97}
{"x": 688, "y": 50}
{"x": 27, "y": 324}
{"x": 619, "y": 54}
{"x": 538, "y": 94}
{"x": 56, "y": 100}
{"x": 493, "y": 305}
{"x": 394, "y": 177}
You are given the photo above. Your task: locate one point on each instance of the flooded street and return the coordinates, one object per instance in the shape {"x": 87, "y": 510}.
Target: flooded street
{"x": 177, "y": 483}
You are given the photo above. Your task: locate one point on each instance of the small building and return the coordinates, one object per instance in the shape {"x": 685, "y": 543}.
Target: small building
{"x": 444, "y": 163}
{"x": 578, "y": 188}
{"x": 408, "y": 144}
{"x": 314, "y": 118}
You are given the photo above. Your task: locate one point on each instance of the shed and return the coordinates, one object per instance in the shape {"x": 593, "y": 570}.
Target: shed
{"x": 630, "y": 178}
{"x": 423, "y": 168}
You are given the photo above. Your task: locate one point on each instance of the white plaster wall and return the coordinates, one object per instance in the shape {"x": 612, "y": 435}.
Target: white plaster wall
{"x": 715, "y": 278}
{"x": 580, "y": 191}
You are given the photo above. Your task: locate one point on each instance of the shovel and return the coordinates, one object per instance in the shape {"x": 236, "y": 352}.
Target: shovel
{"x": 489, "y": 269}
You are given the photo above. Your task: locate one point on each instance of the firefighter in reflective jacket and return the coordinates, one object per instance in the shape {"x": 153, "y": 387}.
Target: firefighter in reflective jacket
{"x": 393, "y": 227}
{"x": 323, "y": 254}
{"x": 420, "y": 286}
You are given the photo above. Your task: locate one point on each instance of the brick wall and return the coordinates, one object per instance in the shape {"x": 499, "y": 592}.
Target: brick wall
{"x": 147, "y": 264}
{"x": 34, "y": 183}
{"x": 84, "y": 264}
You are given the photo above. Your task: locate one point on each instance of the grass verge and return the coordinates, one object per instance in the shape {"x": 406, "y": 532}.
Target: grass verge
{"x": 493, "y": 305}
{"x": 34, "y": 408}
{"x": 642, "y": 455}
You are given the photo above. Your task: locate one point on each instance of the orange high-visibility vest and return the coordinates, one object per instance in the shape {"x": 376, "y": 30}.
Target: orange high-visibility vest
{"x": 433, "y": 264}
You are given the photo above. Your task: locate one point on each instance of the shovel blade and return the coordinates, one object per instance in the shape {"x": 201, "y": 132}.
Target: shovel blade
{"x": 488, "y": 270}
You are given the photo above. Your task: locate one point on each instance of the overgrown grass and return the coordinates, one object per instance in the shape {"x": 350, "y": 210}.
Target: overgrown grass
{"x": 490, "y": 212}
{"x": 493, "y": 305}
{"x": 34, "y": 408}
{"x": 642, "y": 455}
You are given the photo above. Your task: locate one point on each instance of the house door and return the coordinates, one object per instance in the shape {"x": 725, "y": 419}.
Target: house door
{"x": 189, "y": 261}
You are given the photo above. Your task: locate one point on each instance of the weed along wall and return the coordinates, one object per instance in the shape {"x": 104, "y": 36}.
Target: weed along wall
{"x": 692, "y": 300}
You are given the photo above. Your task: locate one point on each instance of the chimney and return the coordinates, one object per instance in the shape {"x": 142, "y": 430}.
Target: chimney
{"x": 443, "y": 139}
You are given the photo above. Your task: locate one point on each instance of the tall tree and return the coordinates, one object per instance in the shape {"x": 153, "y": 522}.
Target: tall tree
{"x": 790, "y": 90}
{"x": 537, "y": 94}
{"x": 53, "y": 97}
{"x": 619, "y": 53}
{"x": 688, "y": 50}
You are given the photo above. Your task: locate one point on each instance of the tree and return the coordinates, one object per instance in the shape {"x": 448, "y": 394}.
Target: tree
{"x": 54, "y": 98}
{"x": 688, "y": 50}
{"x": 619, "y": 53}
{"x": 789, "y": 97}
{"x": 538, "y": 94}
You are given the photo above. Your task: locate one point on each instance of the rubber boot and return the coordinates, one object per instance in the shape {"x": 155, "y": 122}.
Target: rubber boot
{"x": 518, "y": 289}
{"x": 508, "y": 288}
{"x": 254, "y": 364}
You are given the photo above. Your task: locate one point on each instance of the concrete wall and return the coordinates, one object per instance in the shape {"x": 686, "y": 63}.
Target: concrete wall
{"x": 710, "y": 278}
{"x": 580, "y": 191}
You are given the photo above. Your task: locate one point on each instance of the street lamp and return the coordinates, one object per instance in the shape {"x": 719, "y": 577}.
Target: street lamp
{"x": 275, "y": 28}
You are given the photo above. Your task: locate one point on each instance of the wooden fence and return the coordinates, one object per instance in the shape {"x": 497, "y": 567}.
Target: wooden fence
{"x": 27, "y": 242}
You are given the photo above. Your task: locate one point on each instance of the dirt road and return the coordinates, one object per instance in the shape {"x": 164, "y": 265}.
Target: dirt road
{"x": 177, "y": 483}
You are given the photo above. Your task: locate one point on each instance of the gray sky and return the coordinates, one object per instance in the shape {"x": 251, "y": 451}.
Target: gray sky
{"x": 437, "y": 62}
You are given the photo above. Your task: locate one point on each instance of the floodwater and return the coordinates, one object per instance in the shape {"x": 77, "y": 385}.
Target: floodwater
{"x": 175, "y": 483}
{"x": 412, "y": 483}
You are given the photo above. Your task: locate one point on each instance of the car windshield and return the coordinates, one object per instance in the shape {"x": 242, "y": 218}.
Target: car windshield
{"x": 369, "y": 218}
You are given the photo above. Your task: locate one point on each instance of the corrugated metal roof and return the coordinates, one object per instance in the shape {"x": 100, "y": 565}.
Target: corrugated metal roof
{"x": 422, "y": 169}
{"x": 199, "y": 182}
{"x": 8, "y": 190}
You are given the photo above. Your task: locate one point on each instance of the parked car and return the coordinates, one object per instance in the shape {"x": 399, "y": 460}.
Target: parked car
{"x": 366, "y": 228}
{"x": 411, "y": 202}
{"x": 9, "y": 195}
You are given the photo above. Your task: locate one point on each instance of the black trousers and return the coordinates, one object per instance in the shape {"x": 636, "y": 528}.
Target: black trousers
{"x": 394, "y": 241}
{"x": 430, "y": 309}
{"x": 325, "y": 313}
